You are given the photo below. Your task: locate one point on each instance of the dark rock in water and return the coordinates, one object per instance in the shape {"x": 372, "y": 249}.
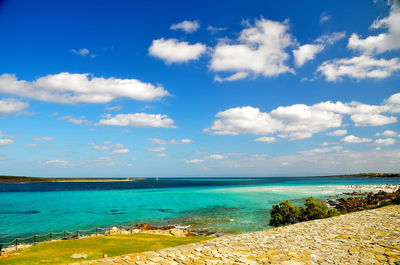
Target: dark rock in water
{"x": 166, "y": 227}
{"x": 23, "y": 212}
{"x": 163, "y": 210}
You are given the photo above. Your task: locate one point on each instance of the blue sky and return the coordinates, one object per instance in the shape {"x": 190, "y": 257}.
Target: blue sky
{"x": 209, "y": 88}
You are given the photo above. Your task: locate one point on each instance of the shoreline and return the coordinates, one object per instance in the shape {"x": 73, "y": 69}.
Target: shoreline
{"x": 365, "y": 237}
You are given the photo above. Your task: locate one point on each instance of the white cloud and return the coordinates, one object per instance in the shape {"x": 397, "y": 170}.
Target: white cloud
{"x": 70, "y": 88}
{"x": 33, "y": 145}
{"x": 173, "y": 141}
{"x": 324, "y": 17}
{"x": 71, "y": 119}
{"x": 337, "y": 133}
{"x": 306, "y": 52}
{"x": 186, "y": 26}
{"x": 84, "y": 52}
{"x": 156, "y": 149}
{"x": 186, "y": 141}
{"x": 194, "y": 161}
{"x": 322, "y": 150}
{"x": 388, "y": 133}
{"x": 309, "y": 51}
{"x": 214, "y": 30}
{"x": 216, "y": 156}
{"x": 104, "y": 161}
{"x": 301, "y": 121}
{"x": 161, "y": 155}
{"x": 4, "y": 142}
{"x": 383, "y": 42}
{"x": 10, "y": 105}
{"x": 372, "y": 119}
{"x": 43, "y": 138}
{"x": 386, "y": 141}
{"x": 120, "y": 151}
{"x": 265, "y": 139}
{"x": 114, "y": 108}
{"x": 259, "y": 50}
{"x": 234, "y": 77}
{"x": 138, "y": 120}
{"x": 174, "y": 51}
{"x": 360, "y": 67}
{"x": 355, "y": 139}
{"x": 56, "y": 163}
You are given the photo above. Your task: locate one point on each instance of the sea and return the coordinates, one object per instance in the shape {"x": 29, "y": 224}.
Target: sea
{"x": 219, "y": 205}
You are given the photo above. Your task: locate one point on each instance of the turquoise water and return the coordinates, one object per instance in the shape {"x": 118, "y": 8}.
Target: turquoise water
{"x": 227, "y": 205}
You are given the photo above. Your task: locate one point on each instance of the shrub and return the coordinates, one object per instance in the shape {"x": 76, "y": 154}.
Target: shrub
{"x": 317, "y": 210}
{"x": 285, "y": 213}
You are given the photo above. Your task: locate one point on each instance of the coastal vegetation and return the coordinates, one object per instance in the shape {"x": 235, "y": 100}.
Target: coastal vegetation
{"x": 286, "y": 213}
{"x": 60, "y": 252}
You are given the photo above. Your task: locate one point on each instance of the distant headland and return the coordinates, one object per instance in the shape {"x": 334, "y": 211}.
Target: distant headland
{"x": 24, "y": 179}
{"x": 369, "y": 175}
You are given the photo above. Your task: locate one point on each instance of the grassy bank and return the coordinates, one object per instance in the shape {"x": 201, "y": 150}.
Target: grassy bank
{"x": 59, "y": 252}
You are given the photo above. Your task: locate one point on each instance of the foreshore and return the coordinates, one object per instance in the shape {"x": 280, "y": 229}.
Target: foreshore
{"x": 366, "y": 237}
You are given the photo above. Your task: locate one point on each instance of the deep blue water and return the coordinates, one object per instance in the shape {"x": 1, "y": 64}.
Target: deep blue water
{"x": 218, "y": 204}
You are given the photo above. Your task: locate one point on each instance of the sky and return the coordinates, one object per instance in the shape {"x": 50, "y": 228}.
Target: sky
{"x": 199, "y": 88}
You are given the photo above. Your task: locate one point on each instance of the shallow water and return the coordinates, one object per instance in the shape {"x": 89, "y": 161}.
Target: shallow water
{"x": 227, "y": 205}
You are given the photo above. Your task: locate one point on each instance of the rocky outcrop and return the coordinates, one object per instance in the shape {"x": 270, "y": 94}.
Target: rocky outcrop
{"x": 364, "y": 201}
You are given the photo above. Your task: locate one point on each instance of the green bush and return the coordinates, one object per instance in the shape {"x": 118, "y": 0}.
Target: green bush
{"x": 317, "y": 210}
{"x": 285, "y": 213}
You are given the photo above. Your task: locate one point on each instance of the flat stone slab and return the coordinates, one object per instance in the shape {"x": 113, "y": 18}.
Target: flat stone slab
{"x": 367, "y": 237}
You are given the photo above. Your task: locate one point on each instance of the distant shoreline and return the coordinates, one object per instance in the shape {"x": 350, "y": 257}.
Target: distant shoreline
{"x": 25, "y": 179}
{"x": 21, "y": 179}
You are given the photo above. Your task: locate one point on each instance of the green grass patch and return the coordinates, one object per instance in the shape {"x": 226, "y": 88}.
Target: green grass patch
{"x": 59, "y": 252}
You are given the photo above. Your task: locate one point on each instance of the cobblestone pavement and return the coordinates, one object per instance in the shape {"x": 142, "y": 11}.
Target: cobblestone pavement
{"x": 367, "y": 237}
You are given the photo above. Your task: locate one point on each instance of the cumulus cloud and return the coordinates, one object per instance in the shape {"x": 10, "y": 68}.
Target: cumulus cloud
{"x": 43, "y": 138}
{"x": 83, "y": 52}
{"x": 301, "y": 121}
{"x": 173, "y": 141}
{"x": 360, "y": 67}
{"x": 114, "y": 108}
{"x": 216, "y": 156}
{"x": 337, "y": 133}
{"x": 234, "y": 77}
{"x": 33, "y": 145}
{"x": 324, "y": 17}
{"x": 308, "y": 52}
{"x": 194, "y": 161}
{"x": 70, "y": 88}
{"x": 174, "y": 51}
{"x": 355, "y": 139}
{"x": 259, "y": 50}
{"x": 71, "y": 119}
{"x": 372, "y": 119}
{"x": 56, "y": 163}
{"x": 138, "y": 120}
{"x": 214, "y": 30}
{"x": 388, "y": 133}
{"x": 383, "y": 42}
{"x": 386, "y": 141}
{"x": 186, "y": 26}
{"x": 156, "y": 149}
{"x": 322, "y": 150}
{"x": 265, "y": 139}
{"x": 119, "y": 151}
{"x": 161, "y": 155}
{"x": 4, "y": 142}
{"x": 10, "y": 105}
